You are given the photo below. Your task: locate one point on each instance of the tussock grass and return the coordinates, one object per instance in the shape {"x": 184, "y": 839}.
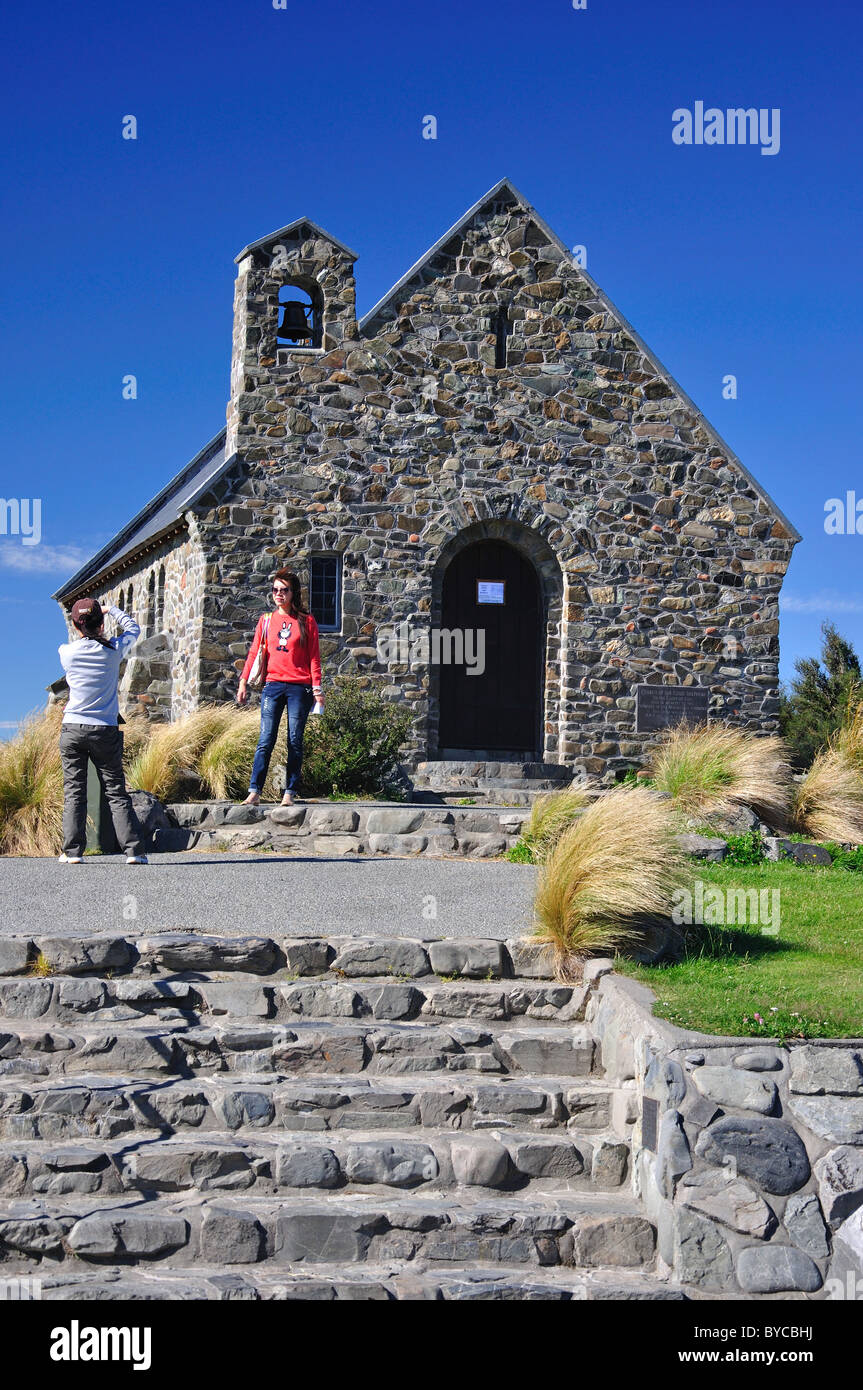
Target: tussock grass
{"x": 610, "y": 873}
{"x": 550, "y": 816}
{"x": 31, "y": 786}
{"x": 847, "y": 742}
{"x": 172, "y": 749}
{"x": 828, "y": 803}
{"x": 711, "y": 769}
{"x": 226, "y": 763}
{"x": 136, "y": 732}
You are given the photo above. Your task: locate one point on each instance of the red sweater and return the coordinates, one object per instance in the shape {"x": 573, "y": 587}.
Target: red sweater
{"x": 287, "y": 658}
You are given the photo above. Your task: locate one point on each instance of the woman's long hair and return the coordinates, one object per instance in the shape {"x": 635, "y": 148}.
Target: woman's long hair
{"x": 296, "y": 606}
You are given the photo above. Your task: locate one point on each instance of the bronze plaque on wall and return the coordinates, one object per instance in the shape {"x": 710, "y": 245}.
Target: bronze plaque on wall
{"x": 661, "y": 706}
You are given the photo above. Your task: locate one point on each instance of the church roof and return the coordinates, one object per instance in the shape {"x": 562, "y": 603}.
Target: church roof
{"x": 506, "y": 189}
{"x": 298, "y": 222}
{"x": 163, "y": 514}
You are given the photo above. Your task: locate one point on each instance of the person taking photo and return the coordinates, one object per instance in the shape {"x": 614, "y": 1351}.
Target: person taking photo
{"x": 91, "y": 732}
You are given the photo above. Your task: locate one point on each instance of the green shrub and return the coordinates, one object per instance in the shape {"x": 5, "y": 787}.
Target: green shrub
{"x": 352, "y": 748}
{"x": 745, "y": 849}
{"x": 631, "y": 778}
{"x": 520, "y": 853}
{"x": 850, "y": 859}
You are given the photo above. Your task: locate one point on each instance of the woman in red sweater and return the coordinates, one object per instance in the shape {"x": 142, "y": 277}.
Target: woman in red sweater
{"x": 293, "y": 679}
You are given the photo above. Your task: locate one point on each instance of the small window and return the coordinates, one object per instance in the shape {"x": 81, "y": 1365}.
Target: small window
{"x": 160, "y": 607}
{"x": 150, "y": 626}
{"x": 325, "y": 592}
{"x": 501, "y": 333}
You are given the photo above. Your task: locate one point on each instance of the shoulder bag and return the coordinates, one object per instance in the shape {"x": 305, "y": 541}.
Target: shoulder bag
{"x": 258, "y": 674}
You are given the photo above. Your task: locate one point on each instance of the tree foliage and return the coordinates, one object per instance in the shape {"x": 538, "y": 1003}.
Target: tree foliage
{"x": 818, "y": 701}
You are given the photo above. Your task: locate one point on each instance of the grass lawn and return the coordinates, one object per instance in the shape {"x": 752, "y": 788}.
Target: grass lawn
{"x": 805, "y": 982}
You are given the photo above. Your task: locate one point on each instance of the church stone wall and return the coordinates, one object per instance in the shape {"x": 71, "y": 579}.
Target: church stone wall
{"x": 662, "y": 563}
{"x": 160, "y": 678}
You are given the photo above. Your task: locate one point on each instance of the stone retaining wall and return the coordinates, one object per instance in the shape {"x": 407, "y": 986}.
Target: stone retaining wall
{"x": 343, "y": 829}
{"x": 747, "y": 1155}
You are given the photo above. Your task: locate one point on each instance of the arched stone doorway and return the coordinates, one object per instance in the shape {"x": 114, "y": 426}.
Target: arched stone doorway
{"x": 491, "y": 590}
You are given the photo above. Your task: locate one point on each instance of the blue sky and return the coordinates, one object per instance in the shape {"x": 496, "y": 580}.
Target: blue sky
{"x": 118, "y": 255}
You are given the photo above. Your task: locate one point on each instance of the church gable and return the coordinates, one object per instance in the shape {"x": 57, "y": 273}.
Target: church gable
{"x": 501, "y": 293}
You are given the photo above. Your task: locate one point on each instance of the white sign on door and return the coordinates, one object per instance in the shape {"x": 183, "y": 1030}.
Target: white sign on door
{"x": 489, "y": 590}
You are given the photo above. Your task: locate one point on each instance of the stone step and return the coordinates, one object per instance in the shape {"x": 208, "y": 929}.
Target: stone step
{"x": 339, "y": 1046}
{"x": 98, "y": 1107}
{"x": 483, "y": 798}
{"x": 401, "y": 1280}
{"x": 584, "y": 1230}
{"x": 454, "y": 774}
{"x": 220, "y": 1161}
{"x": 71, "y": 999}
{"x": 34, "y": 961}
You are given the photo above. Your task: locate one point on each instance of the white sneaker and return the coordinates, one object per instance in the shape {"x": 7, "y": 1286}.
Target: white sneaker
{"x": 70, "y": 859}
{"x": 137, "y": 859}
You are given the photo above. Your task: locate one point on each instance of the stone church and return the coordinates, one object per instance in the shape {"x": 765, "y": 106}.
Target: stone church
{"x": 491, "y": 448}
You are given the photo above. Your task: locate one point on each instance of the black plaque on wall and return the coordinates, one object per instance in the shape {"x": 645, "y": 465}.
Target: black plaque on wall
{"x": 649, "y": 1122}
{"x": 661, "y": 706}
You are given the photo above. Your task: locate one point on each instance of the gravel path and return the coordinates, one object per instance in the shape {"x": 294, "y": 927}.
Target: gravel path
{"x": 261, "y": 894}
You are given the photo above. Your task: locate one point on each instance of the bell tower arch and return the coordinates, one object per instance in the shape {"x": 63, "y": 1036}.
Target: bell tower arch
{"x": 295, "y": 295}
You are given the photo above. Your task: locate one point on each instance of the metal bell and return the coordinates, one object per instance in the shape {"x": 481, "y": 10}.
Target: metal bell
{"x": 295, "y": 324}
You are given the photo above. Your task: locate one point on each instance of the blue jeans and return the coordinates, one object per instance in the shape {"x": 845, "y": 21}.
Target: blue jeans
{"x": 274, "y": 697}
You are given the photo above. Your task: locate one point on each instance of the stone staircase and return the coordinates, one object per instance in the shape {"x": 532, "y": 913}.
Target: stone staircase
{"x": 190, "y": 1117}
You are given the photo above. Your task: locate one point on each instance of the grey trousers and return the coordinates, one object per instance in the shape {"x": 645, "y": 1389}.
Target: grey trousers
{"x": 102, "y": 744}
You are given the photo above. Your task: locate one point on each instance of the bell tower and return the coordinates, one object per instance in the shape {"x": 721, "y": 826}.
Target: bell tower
{"x": 294, "y": 301}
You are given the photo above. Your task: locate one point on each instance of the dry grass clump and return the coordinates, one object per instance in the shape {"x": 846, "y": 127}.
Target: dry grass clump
{"x": 31, "y": 786}
{"x": 136, "y": 730}
{"x": 550, "y": 816}
{"x": 711, "y": 769}
{"x": 172, "y": 749}
{"x": 847, "y": 742}
{"x": 226, "y": 763}
{"x": 828, "y": 803}
{"x": 611, "y": 873}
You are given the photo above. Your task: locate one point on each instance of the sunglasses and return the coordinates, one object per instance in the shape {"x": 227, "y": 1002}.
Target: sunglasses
{"x": 278, "y": 589}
